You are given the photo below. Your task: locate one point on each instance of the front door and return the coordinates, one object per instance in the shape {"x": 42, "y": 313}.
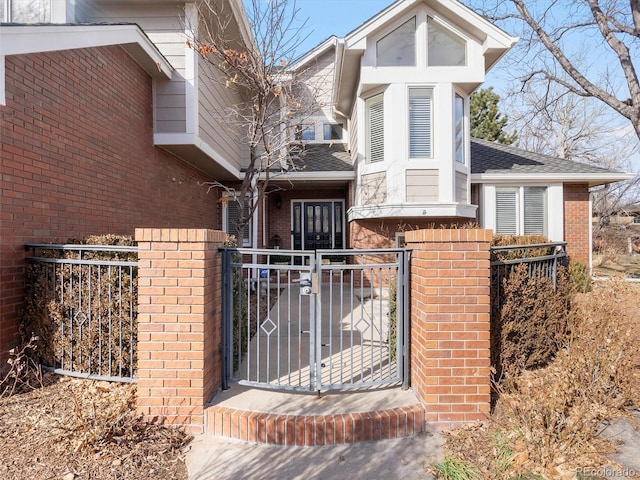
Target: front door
{"x": 317, "y": 225}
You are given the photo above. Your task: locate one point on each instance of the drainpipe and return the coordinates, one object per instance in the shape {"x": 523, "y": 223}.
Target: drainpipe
{"x": 591, "y": 195}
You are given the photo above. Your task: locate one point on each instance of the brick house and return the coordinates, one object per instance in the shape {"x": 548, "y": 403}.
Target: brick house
{"x": 110, "y": 122}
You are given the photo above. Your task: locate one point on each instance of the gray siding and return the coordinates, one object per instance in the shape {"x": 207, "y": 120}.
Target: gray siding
{"x": 215, "y": 99}
{"x": 316, "y": 80}
{"x": 422, "y": 186}
{"x": 164, "y": 25}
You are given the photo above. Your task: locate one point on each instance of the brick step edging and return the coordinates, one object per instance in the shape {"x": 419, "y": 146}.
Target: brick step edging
{"x": 314, "y": 430}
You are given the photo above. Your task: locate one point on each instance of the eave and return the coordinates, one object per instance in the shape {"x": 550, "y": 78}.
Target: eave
{"x": 25, "y": 39}
{"x": 198, "y": 153}
{"x": 420, "y": 210}
{"x": 592, "y": 179}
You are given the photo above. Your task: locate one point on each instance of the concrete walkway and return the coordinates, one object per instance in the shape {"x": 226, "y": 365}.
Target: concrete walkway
{"x": 211, "y": 458}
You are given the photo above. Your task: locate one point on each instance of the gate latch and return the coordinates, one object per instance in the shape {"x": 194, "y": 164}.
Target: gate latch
{"x": 305, "y": 284}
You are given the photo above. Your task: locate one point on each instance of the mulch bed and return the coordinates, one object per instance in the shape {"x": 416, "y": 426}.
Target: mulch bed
{"x": 73, "y": 429}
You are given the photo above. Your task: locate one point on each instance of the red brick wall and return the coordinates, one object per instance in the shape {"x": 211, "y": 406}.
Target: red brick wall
{"x": 78, "y": 158}
{"x": 381, "y": 233}
{"x": 450, "y": 351}
{"x": 577, "y": 216}
{"x": 179, "y": 324}
{"x": 278, "y": 220}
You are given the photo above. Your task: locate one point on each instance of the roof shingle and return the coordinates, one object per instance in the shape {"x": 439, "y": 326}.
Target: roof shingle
{"x": 495, "y": 158}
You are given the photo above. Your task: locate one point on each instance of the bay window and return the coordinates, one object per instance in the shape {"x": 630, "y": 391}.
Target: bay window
{"x": 420, "y": 123}
{"x": 374, "y": 116}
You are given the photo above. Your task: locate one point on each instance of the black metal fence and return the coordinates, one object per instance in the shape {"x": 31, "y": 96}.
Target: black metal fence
{"x": 82, "y": 302}
{"x": 542, "y": 260}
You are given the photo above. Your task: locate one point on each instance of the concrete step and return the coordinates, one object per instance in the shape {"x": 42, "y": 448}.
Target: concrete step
{"x": 301, "y": 419}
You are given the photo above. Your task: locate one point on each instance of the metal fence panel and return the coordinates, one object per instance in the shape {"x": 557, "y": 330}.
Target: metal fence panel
{"x": 542, "y": 260}
{"x": 85, "y": 297}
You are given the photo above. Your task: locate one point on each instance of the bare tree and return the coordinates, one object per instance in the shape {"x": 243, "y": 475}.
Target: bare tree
{"x": 580, "y": 129}
{"x": 270, "y": 99}
{"x": 604, "y": 32}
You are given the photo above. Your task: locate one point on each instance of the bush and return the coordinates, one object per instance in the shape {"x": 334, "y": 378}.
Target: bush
{"x": 547, "y": 422}
{"x": 532, "y": 321}
{"x": 500, "y": 240}
{"x": 580, "y": 277}
{"x": 80, "y": 314}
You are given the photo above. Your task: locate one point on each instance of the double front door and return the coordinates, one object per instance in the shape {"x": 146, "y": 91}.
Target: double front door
{"x": 318, "y": 225}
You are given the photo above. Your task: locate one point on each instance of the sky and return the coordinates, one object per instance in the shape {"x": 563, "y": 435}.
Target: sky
{"x": 335, "y": 17}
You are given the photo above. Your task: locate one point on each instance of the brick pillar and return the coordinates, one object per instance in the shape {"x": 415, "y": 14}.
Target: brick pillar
{"x": 577, "y": 222}
{"x": 450, "y": 357}
{"x": 179, "y": 324}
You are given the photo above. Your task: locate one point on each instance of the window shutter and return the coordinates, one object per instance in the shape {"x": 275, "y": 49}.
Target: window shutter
{"x": 507, "y": 211}
{"x": 420, "y": 123}
{"x": 375, "y": 133}
{"x": 535, "y": 211}
{"x": 233, "y": 214}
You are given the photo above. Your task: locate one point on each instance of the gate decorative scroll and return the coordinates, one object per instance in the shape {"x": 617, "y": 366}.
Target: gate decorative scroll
{"x": 311, "y": 321}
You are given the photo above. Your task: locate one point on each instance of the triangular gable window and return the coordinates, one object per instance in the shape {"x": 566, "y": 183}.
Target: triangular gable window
{"x": 398, "y": 48}
{"x": 446, "y": 49}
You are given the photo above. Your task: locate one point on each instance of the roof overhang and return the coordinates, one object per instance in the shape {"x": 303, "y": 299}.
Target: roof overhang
{"x": 420, "y": 210}
{"x": 199, "y": 153}
{"x": 302, "y": 176}
{"x": 25, "y": 39}
{"x": 592, "y": 179}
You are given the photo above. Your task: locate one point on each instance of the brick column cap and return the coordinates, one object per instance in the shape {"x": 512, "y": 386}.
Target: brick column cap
{"x": 179, "y": 235}
{"x": 449, "y": 235}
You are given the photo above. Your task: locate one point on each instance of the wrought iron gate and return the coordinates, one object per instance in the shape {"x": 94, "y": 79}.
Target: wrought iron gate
{"x": 311, "y": 321}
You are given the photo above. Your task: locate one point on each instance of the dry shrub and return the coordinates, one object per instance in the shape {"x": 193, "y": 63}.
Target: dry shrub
{"x": 81, "y": 314}
{"x": 500, "y": 240}
{"x": 532, "y": 322}
{"x": 103, "y": 415}
{"x": 547, "y": 421}
{"x": 24, "y": 374}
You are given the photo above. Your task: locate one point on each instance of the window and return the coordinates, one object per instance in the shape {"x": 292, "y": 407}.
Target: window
{"x": 459, "y": 135}
{"x": 374, "y": 117}
{"x": 445, "y": 49}
{"x": 305, "y": 132}
{"x": 420, "y": 123}
{"x": 521, "y": 210}
{"x": 231, "y": 215}
{"x": 26, "y": 11}
{"x": 333, "y": 131}
{"x": 398, "y": 49}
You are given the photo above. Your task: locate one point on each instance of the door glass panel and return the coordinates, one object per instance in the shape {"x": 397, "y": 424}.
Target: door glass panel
{"x": 325, "y": 215}
{"x": 296, "y": 218}
{"x": 309, "y": 219}
{"x": 318, "y": 219}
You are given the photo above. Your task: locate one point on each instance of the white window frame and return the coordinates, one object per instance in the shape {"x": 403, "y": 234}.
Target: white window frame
{"x": 520, "y": 214}
{"x": 416, "y": 40}
{"x": 428, "y": 123}
{"x": 377, "y": 99}
{"x": 432, "y": 22}
{"x": 460, "y": 127}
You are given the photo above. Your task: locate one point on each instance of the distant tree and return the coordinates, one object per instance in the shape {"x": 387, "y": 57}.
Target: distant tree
{"x": 487, "y": 123}
{"x": 587, "y": 47}
{"x": 582, "y": 130}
